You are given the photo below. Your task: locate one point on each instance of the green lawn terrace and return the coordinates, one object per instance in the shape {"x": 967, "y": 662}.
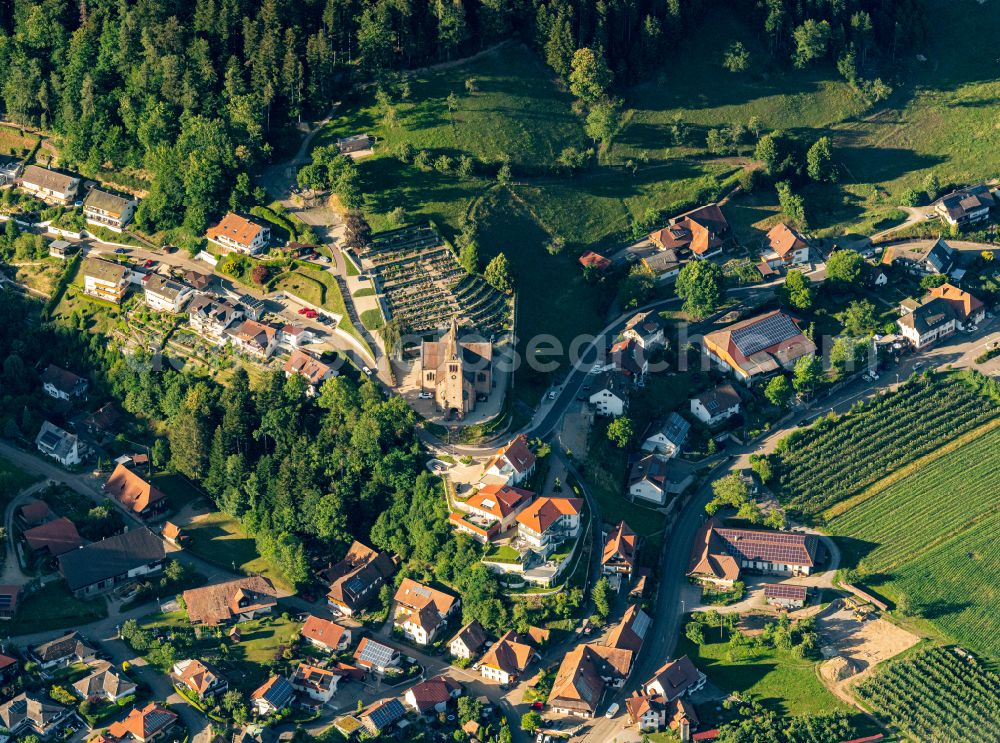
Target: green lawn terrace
{"x": 422, "y": 285}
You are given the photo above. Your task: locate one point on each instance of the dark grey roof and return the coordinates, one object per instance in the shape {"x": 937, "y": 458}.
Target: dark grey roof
{"x": 49, "y": 179}
{"x": 106, "y": 202}
{"x": 941, "y": 256}
{"x": 110, "y": 557}
{"x": 386, "y": 713}
{"x": 61, "y": 647}
{"x": 56, "y": 441}
{"x": 929, "y": 316}
{"x": 675, "y": 428}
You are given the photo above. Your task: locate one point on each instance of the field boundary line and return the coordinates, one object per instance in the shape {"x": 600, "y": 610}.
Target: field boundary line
{"x": 839, "y": 509}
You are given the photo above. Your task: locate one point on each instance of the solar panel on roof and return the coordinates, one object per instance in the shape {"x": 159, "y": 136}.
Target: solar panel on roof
{"x": 6, "y": 601}
{"x": 376, "y": 654}
{"x": 49, "y": 439}
{"x": 354, "y": 584}
{"x": 768, "y": 332}
{"x": 387, "y": 714}
{"x": 641, "y": 624}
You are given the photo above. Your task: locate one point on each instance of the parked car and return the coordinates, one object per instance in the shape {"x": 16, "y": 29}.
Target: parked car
{"x": 367, "y": 371}
{"x": 425, "y": 396}
{"x": 121, "y": 251}
{"x": 302, "y": 310}
{"x": 612, "y": 711}
{"x": 148, "y": 263}
{"x": 537, "y": 706}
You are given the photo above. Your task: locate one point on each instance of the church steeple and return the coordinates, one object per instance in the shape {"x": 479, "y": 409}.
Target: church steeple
{"x": 451, "y": 340}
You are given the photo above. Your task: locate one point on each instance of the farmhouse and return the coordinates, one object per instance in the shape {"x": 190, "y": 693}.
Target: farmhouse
{"x": 165, "y": 295}
{"x": 785, "y": 595}
{"x": 620, "y": 551}
{"x": 967, "y": 206}
{"x": 629, "y": 633}
{"x": 421, "y": 610}
{"x": 719, "y": 554}
{"x": 758, "y": 347}
{"x": 677, "y": 678}
{"x": 237, "y": 600}
{"x": 106, "y": 280}
{"x": 113, "y": 562}
{"x": 784, "y": 246}
{"x": 356, "y": 579}
{"x": 272, "y": 696}
{"x": 108, "y": 210}
{"x": 922, "y": 256}
{"x": 514, "y": 462}
{"x": 583, "y": 676}
{"x": 49, "y": 185}
{"x": 468, "y": 641}
{"x": 62, "y": 446}
{"x": 62, "y": 384}
{"x": 716, "y": 405}
{"x": 457, "y": 373}
{"x": 134, "y": 493}
{"x": 702, "y": 232}
{"x": 668, "y": 437}
{"x": 506, "y": 660}
{"x": 609, "y": 397}
{"x": 326, "y": 635}
{"x": 236, "y": 233}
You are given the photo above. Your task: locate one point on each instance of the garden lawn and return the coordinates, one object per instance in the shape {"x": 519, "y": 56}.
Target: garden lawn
{"x": 303, "y": 287}
{"x": 54, "y": 607}
{"x": 221, "y": 540}
{"x": 13, "y": 142}
{"x": 777, "y": 678}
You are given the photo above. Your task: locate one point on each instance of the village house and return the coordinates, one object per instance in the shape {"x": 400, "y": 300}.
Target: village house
{"x": 165, "y": 295}
{"x": 355, "y": 143}
{"x": 325, "y": 635}
{"x": 647, "y": 329}
{"x": 514, "y": 462}
{"x": 272, "y": 696}
{"x": 609, "y": 397}
{"x": 665, "y": 265}
{"x": 106, "y": 280}
{"x": 759, "y": 347}
{"x": 104, "y": 421}
{"x": 784, "y": 246}
{"x": 31, "y": 714}
{"x": 151, "y": 723}
{"x": 628, "y": 358}
{"x": 318, "y": 684}
{"x": 382, "y": 715}
{"x": 199, "y": 677}
{"x": 421, "y": 610}
{"x": 62, "y": 446}
{"x": 211, "y": 317}
{"x": 238, "y": 600}
{"x": 590, "y": 259}
{"x": 432, "y": 695}
{"x": 253, "y": 307}
{"x": 928, "y": 322}
{"x": 9, "y": 167}
{"x": 675, "y": 679}
{"x": 652, "y": 478}
{"x": 236, "y": 233}
{"x": 468, "y": 641}
{"x": 48, "y": 185}
{"x": 255, "y": 339}
{"x": 701, "y": 232}
{"x": 922, "y": 257}
{"x": 52, "y": 538}
{"x": 620, "y": 551}
{"x": 61, "y": 651}
{"x": 173, "y": 534}
{"x": 134, "y": 493}
{"x": 60, "y": 249}
{"x": 9, "y": 667}
{"x": 716, "y": 405}
{"x": 785, "y": 595}
{"x": 548, "y": 522}
{"x": 294, "y": 336}
{"x": 33, "y": 513}
{"x": 356, "y": 580}
{"x": 651, "y": 713}
{"x": 630, "y": 632}
{"x": 584, "y": 675}
{"x": 668, "y": 437}
{"x": 720, "y": 554}
{"x": 491, "y": 511}
{"x": 967, "y": 206}
{"x": 376, "y": 657}
{"x": 104, "y": 683}
{"x": 108, "y": 210}
{"x": 62, "y": 384}
{"x": 456, "y": 373}
{"x": 507, "y": 659}
{"x": 197, "y": 280}
{"x": 113, "y": 562}
{"x": 314, "y": 371}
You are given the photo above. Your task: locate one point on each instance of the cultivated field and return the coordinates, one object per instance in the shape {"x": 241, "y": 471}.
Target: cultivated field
{"x": 937, "y": 696}
{"x": 836, "y": 459}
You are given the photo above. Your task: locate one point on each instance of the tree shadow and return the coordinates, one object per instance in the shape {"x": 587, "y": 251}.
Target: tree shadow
{"x": 853, "y": 551}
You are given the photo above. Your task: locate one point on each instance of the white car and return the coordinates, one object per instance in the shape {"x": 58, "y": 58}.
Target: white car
{"x": 425, "y": 396}
{"x": 553, "y": 395}
{"x": 612, "y": 711}
{"x": 366, "y": 370}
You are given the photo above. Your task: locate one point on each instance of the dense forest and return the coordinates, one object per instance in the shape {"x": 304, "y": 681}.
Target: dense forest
{"x": 190, "y": 98}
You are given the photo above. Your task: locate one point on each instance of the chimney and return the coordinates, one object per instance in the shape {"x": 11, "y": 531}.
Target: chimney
{"x": 684, "y": 730}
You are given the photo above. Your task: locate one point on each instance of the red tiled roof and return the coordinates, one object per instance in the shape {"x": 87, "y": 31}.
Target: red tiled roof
{"x": 622, "y": 542}
{"x": 131, "y": 490}
{"x": 35, "y": 511}
{"x": 144, "y": 723}
{"x": 58, "y": 537}
{"x": 785, "y": 239}
{"x": 323, "y": 631}
{"x": 590, "y": 258}
{"x": 499, "y": 500}
{"x": 961, "y": 301}
{"x": 544, "y": 512}
{"x": 517, "y": 453}
{"x": 417, "y": 596}
{"x": 238, "y": 229}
